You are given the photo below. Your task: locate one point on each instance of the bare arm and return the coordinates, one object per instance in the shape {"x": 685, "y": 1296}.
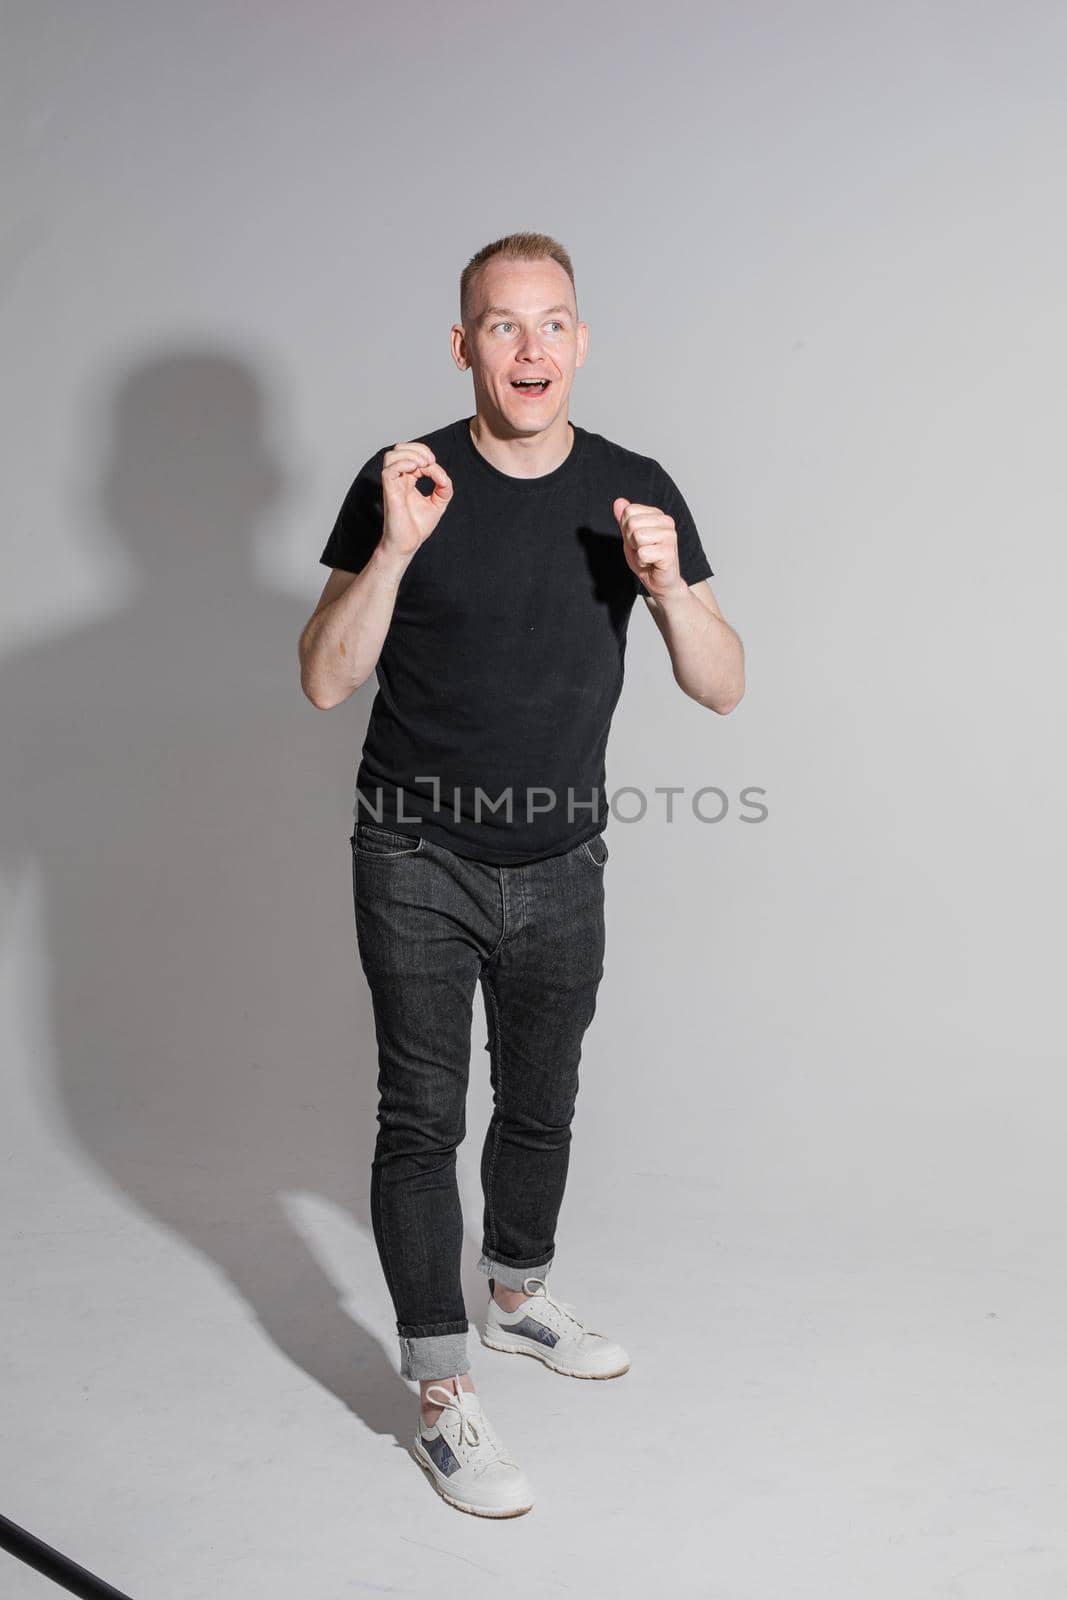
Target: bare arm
{"x": 343, "y": 637}
{"x": 706, "y": 654}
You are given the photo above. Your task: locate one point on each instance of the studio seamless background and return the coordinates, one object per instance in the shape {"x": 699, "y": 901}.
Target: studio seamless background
{"x": 821, "y": 253}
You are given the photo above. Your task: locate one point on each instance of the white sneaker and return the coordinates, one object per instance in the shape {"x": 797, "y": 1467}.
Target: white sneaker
{"x": 549, "y": 1330}
{"x": 466, "y": 1462}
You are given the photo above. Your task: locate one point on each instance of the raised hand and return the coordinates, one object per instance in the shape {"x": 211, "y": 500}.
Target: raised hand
{"x": 650, "y": 545}
{"x": 410, "y": 515}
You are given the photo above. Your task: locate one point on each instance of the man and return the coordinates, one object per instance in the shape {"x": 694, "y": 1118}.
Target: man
{"x": 493, "y": 606}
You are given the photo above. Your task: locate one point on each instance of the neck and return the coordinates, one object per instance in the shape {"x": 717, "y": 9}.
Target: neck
{"x": 523, "y": 455}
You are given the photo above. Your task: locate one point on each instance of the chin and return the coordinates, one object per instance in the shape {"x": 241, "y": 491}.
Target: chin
{"x": 547, "y": 408}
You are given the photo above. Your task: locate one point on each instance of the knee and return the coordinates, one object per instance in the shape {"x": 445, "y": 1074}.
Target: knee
{"x": 424, "y": 1143}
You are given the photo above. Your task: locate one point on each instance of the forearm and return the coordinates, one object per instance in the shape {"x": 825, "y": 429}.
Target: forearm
{"x": 707, "y": 656}
{"x": 340, "y": 646}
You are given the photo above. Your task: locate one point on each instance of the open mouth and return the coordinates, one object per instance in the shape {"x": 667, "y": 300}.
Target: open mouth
{"x": 526, "y": 386}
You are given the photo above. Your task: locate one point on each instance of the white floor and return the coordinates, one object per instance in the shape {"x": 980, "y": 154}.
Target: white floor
{"x": 206, "y": 1406}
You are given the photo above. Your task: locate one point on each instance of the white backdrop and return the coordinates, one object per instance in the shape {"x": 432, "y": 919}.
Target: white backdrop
{"x": 821, "y": 250}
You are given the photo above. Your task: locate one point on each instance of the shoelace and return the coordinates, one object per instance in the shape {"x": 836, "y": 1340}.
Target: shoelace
{"x": 566, "y": 1306}
{"x": 474, "y": 1429}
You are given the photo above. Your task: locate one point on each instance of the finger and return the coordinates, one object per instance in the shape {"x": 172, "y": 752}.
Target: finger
{"x": 650, "y": 551}
{"x": 442, "y": 482}
{"x": 417, "y": 445}
{"x": 405, "y": 466}
{"x": 647, "y": 517}
{"x": 440, "y": 477}
{"x": 651, "y": 534}
{"x": 401, "y": 479}
{"x": 646, "y": 527}
{"x": 408, "y": 449}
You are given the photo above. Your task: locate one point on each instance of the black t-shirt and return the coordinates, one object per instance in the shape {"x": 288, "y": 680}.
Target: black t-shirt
{"x": 504, "y": 658}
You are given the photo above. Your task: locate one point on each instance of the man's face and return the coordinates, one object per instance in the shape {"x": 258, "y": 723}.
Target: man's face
{"x": 523, "y": 324}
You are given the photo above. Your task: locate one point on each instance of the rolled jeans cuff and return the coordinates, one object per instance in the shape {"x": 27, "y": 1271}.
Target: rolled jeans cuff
{"x": 438, "y": 1355}
{"x": 511, "y": 1277}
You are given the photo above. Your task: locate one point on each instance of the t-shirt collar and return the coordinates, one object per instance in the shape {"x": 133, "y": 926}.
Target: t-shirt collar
{"x": 545, "y": 480}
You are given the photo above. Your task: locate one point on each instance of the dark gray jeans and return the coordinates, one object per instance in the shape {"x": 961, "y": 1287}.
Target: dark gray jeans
{"x": 430, "y": 925}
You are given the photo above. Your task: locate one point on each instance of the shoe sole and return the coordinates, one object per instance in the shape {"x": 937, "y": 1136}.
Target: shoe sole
{"x": 553, "y": 1366}
{"x": 464, "y": 1505}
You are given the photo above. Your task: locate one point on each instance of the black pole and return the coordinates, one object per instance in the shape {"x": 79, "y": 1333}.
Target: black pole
{"x": 54, "y": 1565}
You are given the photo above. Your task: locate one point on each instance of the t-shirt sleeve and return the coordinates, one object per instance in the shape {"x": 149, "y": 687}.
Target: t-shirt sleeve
{"x": 360, "y": 520}
{"x": 693, "y": 563}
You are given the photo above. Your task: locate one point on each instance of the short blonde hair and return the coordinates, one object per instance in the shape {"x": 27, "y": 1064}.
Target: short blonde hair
{"x": 516, "y": 247}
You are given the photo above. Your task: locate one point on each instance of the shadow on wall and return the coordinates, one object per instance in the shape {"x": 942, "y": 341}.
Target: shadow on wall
{"x": 176, "y": 796}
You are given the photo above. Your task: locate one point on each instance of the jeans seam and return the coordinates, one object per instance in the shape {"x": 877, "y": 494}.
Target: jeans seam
{"x": 498, "y": 1109}
{"x": 445, "y": 1331}
{"x": 385, "y": 1233}
{"x": 387, "y": 833}
{"x": 503, "y": 915}
{"x": 498, "y": 1259}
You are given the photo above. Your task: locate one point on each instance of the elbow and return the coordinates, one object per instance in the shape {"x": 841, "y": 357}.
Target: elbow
{"x": 319, "y": 699}
{"x": 722, "y": 704}
{"x": 312, "y": 690}
{"x": 311, "y": 684}
{"x": 324, "y": 700}
{"x": 724, "y": 707}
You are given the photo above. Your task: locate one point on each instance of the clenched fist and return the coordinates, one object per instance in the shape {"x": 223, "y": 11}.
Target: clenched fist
{"x": 650, "y": 545}
{"x": 410, "y": 515}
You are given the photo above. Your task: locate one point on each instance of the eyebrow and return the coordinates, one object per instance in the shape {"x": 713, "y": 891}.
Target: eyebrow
{"x": 506, "y": 311}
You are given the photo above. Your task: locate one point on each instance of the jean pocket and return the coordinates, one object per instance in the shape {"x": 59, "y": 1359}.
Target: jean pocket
{"x": 595, "y": 849}
{"x": 370, "y": 840}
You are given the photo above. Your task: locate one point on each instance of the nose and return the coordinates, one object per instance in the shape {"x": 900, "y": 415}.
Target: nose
{"x": 530, "y": 346}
